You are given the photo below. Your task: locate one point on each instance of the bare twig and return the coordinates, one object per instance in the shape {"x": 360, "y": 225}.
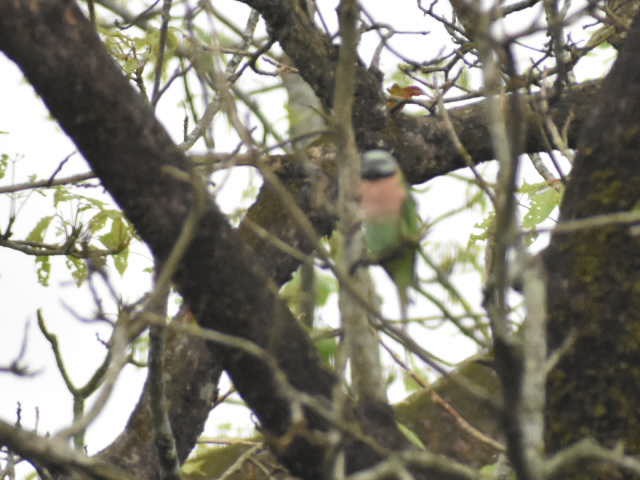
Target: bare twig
{"x": 596, "y": 221}
{"x": 164, "y": 440}
{"x": 51, "y": 182}
{"x": 16, "y": 367}
{"x": 105, "y": 377}
{"x": 236, "y": 466}
{"x": 55, "y": 452}
{"x": 521, "y": 370}
{"x": 360, "y": 339}
{"x": 162, "y": 45}
{"x": 588, "y": 449}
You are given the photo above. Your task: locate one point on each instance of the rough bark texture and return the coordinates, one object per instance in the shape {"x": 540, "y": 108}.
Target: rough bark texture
{"x": 594, "y": 277}
{"x": 312, "y": 185}
{"x": 191, "y": 376}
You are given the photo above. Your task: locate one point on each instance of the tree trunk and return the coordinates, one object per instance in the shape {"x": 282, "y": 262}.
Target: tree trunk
{"x": 594, "y": 278}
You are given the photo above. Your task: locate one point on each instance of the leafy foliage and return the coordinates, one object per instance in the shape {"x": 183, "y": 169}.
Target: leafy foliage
{"x": 543, "y": 199}
{"x": 294, "y": 290}
{"x": 74, "y": 234}
{"x": 4, "y": 163}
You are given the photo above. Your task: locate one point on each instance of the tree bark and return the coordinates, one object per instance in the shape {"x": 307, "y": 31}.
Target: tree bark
{"x": 594, "y": 278}
{"x": 192, "y": 372}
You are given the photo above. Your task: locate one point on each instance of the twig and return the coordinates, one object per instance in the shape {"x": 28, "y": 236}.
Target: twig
{"x": 237, "y": 465}
{"x": 162, "y": 45}
{"x": 228, "y": 441}
{"x": 545, "y": 173}
{"x": 555, "y": 31}
{"x": 534, "y": 362}
{"x": 56, "y": 453}
{"x": 464, "y": 153}
{"x": 396, "y": 464}
{"x": 214, "y": 106}
{"x": 520, "y": 368}
{"x": 16, "y": 366}
{"x": 588, "y": 449}
{"x": 163, "y": 434}
{"x": 61, "y": 164}
{"x": 360, "y": 339}
{"x": 47, "y": 183}
{"x": 105, "y": 376}
{"x": 596, "y": 221}
{"x": 455, "y": 293}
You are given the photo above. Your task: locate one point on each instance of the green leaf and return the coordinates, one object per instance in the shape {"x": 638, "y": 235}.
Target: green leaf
{"x": 291, "y": 291}
{"x": 40, "y": 230}
{"x": 410, "y": 383}
{"x": 327, "y": 347}
{"x": 212, "y": 462}
{"x": 78, "y": 268}
{"x": 121, "y": 260}
{"x": 61, "y": 194}
{"x": 530, "y": 189}
{"x": 464, "y": 80}
{"x": 140, "y": 348}
{"x": 118, "y": 237}
{"x": 4, "y": 162}
{"x": 98, "y": 221}
{"x": 325, "y": 285}
{"x": 43, "y": 269}
{"x": 486, "y": 229}
{"x": 411, "y": 436}
{"x": 89, "y": 201}
{"x": 542, "y": 204}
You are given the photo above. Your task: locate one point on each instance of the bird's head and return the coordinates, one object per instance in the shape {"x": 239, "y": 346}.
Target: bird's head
{"x": 382, "y": 189}
{"x": 378, "y": 164}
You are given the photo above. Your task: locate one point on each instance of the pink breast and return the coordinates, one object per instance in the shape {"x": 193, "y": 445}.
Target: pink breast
{"x": 383, "y": 197}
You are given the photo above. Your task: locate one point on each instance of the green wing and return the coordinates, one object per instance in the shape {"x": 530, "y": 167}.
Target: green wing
{"x": 393, "y": 243}
{"x": 411, "y": 222}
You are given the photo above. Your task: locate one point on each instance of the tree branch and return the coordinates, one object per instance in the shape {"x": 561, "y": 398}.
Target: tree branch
{"x": 57, "y": 455}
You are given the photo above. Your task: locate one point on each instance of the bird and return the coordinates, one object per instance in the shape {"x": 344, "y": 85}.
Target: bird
{"x": 392, "y": 226}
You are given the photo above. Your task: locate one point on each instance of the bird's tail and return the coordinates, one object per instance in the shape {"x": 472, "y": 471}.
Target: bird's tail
{"x": 403, "y": 301}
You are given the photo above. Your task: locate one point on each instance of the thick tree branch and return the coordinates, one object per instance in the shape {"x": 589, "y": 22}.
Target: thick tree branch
{"x": 421, "y": 144}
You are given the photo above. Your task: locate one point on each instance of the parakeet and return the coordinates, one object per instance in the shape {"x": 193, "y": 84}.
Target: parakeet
{"x": 392, "y": 224}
